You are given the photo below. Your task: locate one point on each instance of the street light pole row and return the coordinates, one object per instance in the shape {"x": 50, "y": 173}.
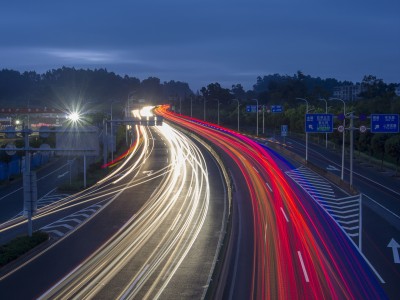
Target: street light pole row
{"x": 344, "y": 130}
{"x": 302, "y": 99}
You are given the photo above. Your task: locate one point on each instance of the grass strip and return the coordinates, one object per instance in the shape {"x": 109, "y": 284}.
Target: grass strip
{"x": 20, "y": 245}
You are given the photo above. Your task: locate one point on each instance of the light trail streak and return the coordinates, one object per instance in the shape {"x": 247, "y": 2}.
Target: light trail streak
{"x": 334, "y": 268}
{"x": 179, "y": 203}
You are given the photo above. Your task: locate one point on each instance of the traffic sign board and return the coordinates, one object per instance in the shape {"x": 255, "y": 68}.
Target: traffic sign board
{"x": 363, "y": 129}
{"x": 276, "y": 108}
{"x": 284, "y": 130}
{"x": 340, "y": 117}
{"x": 251, "y": 108}
{"x": 340, "y": 128}
{"x": 384, "y": 123}
{"x": 319, "y": 123}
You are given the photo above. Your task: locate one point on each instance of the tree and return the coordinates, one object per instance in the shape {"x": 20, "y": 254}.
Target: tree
{"x": 392, "y": 148}
{"x": 238, "y": 91}
{"x": 215, "y": 91}
{"x": 378, "y": 145}
{"x": 374, "y": 87}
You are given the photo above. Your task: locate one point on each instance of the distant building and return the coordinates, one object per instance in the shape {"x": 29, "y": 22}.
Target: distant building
{"x": 348, "y": 92}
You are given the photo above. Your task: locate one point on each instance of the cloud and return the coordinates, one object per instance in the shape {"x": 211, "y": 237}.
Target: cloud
{"x": 81, "y": 56}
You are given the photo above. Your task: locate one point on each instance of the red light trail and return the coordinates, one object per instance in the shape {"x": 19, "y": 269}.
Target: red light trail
{"x": 299, "y": 252}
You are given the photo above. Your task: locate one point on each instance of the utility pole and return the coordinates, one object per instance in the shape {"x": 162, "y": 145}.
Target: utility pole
{"x": 344, "y": 136}
{"x": 351, "y": 147}
{"x": 263, "y": 109}
{"x": 204, "y": 113}
{"x": 326, "y": 111}
{"x": 29, "y": 183}
{"x": 257, "y": 113}
{"x": 306, "y": 131}
{"x": 238, "y": 109}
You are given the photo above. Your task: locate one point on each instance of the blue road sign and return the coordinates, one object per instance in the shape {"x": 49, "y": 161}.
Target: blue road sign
{"x": 319, "y": 123}
{"x": 384, "y": 123}
{"x": 276, "y": 108}
{"x": 251, "y": 108}
{"x": 284, "y": 130}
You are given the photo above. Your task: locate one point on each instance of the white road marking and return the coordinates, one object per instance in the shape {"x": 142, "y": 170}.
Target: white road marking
{"x": 303, "y": 267}
{"x": 63, "y": 174}
{"x": 134, "y": 283}
{"x": 56, "y": 232}
{"x": 284, "y": 214}
{"x": 269, "y": 186}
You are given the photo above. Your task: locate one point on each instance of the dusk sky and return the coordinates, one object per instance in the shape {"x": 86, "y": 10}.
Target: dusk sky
{"x": 200, "y": 42}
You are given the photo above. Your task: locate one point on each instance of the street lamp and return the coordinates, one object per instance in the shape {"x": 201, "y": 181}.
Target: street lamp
{"x": 191, "y": 106}
{"x": 306, "y": 130}
{"x": 238, "y": 103}
{"x": 257, "y": 113}
{"x": 326, "y": 111}
{"x": 344, "y": 130}
{"x": 111, "y": 129}
{"x": 74, "y": 117}
{"x": 217, "y": 110}
{"x": 204, "y": 113}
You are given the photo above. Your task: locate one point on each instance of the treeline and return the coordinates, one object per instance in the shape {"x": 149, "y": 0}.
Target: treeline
{"x": 377, "y": 98}
{"x": 63, "y": 86}
{"x": 67, "y": 86}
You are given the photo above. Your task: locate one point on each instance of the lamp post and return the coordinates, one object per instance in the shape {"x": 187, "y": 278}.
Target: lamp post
{"x": 204, "y": 113}
{"x": 111, "y": 129}
{"x": 306, "y": 130}
{"x": 263, "y": 110}
{"x": 257, "y": 113}
{"x": 326, "y": 111}
{"x": 344, "y": 130}
{"x": 217, "y": 111}
{"x": 238, "y": 103}
{"x": 191, "y": 106}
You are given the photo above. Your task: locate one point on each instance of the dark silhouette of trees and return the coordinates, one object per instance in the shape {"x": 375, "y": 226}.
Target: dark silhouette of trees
{"x": 58, "y": 87}
{"x": 392, "y": 148}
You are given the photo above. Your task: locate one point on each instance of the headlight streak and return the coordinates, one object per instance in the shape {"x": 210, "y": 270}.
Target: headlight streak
{"x": 138, "y": 135}
{"x": 185, "y": 189}
{"x": 308, "y": 257}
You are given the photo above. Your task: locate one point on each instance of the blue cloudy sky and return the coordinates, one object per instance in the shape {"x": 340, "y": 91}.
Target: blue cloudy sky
{"x": 204, "y": 41}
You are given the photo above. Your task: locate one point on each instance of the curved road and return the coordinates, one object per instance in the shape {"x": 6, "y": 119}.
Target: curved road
{"x": 297, "y": 251}
{"x": 154, "y": 236}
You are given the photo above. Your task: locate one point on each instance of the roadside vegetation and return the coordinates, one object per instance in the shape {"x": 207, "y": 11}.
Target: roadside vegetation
{"x": 20, "y": 246}
{"x": 64, "y": 86}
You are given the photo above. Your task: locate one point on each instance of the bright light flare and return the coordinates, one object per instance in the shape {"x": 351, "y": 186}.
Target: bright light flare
{"x": 74, "y": 116}
{"x": 146, "y": 111}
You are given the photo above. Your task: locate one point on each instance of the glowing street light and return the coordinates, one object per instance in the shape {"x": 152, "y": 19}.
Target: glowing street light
{"x": 74, "y": 117}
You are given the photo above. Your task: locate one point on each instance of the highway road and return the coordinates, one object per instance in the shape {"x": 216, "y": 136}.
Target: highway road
{"x": 48, "y": 179}
{"x": 150, "y": 228}
{"x": 380, "y": 209}
{"x": 295, "y": 250}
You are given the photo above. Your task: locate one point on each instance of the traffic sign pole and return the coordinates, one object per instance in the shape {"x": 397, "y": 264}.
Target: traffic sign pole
{"x": 351, "y": 147}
